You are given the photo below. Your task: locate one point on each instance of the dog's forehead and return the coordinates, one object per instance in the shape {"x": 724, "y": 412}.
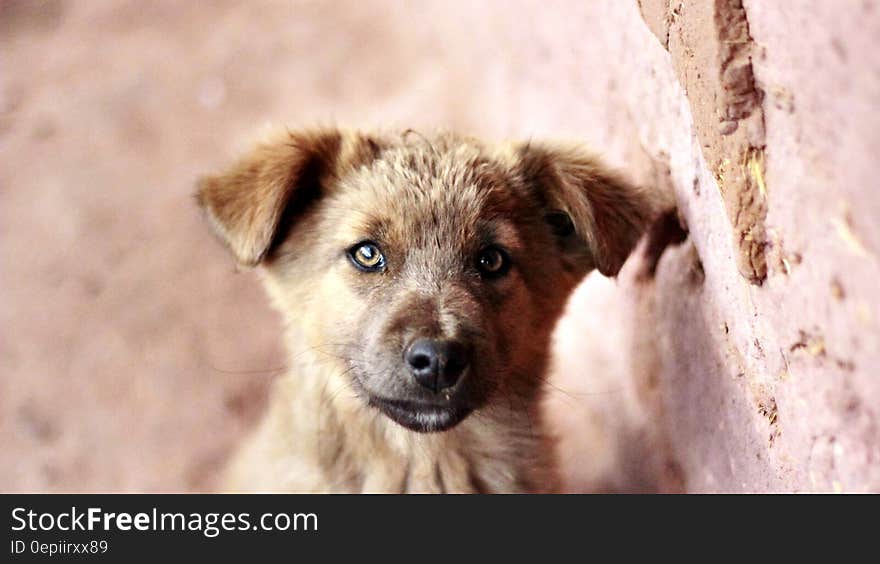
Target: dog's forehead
{"x": 414, "y": 194}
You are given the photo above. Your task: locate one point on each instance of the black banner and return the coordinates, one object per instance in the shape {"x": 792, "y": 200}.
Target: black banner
{"x": 120, "y": 527}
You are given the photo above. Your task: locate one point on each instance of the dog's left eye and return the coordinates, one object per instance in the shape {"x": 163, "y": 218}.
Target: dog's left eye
{"x": 493, "y": 262}
{"x": 367, "y": 256}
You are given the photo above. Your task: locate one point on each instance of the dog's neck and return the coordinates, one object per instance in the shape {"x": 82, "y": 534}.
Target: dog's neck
{"x": 356, "y": 448}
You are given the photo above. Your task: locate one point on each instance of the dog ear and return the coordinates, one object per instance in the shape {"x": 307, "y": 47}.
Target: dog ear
{"x": 249, "y": 203}
{"x": 596, "y": 216}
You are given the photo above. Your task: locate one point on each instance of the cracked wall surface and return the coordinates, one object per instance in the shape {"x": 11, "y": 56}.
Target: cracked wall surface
{"x": 712, "y": 55}
{"x": 763, "y": 114}
{"x": 739, "y": 349}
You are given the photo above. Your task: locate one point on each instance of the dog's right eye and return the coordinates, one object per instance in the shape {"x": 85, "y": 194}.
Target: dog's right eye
{"x": 367, "y": 256}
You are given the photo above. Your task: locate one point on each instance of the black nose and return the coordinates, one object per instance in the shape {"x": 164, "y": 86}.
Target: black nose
{"x": 436, "y": 364}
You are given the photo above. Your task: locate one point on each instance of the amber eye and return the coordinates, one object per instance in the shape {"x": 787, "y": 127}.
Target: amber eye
{"x": 493, "y": 262}
{"x": 367, "y": 256}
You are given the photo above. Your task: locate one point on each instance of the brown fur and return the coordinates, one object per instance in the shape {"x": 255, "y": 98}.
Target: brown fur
{"x": 296, "y": 204}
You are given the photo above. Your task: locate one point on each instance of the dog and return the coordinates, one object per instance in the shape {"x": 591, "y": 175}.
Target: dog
{"x": 420, "y": 279}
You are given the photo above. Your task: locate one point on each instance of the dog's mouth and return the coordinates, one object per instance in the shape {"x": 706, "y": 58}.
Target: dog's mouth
{"x": 421, "y": 417}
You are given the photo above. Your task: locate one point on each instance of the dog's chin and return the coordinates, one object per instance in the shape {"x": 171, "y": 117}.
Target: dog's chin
{"x": 421, "y": 417}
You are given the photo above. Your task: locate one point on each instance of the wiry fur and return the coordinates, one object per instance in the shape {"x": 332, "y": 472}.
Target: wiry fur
{"x": 296, "y": 204}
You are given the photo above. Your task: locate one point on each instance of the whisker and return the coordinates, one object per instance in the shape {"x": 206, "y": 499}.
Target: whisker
{"x": 549, "y": 384}
{"x": 245, "y": 372}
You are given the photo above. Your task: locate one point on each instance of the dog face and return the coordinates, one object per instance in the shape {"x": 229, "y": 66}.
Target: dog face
{"x": 429, "y": 271}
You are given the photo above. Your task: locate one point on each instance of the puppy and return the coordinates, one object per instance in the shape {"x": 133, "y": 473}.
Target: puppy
{"x": 420, "y": 279}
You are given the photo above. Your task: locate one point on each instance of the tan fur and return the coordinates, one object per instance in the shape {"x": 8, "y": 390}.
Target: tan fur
{"x": 298, "y": 202}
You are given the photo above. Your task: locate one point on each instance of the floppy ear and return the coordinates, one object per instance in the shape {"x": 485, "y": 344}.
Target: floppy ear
{"x": 596, "y": 216}
{"x": 248, "y": 203}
